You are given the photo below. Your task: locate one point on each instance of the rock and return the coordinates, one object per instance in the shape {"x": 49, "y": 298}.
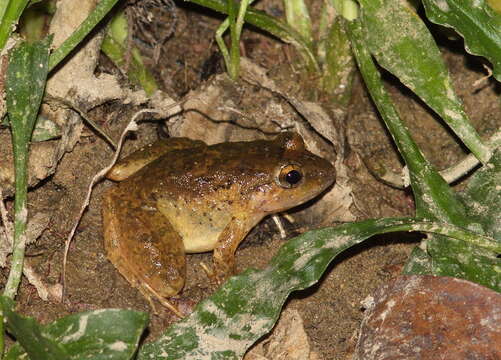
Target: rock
{"x": 428, "y": 317}
{"x": 288, "y": 341}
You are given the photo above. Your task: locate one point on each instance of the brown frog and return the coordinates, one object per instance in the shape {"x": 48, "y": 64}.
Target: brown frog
{"x": 182, "y": 196}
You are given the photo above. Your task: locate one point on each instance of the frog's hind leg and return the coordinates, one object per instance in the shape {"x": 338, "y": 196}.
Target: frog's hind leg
{"x": 142, "y": 245}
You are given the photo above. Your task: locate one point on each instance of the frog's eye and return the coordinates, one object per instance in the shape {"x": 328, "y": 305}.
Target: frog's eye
{"x": 290, "y": 176}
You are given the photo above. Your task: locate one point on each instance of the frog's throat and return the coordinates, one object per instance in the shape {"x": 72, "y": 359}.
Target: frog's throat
{"x": 199, "y": 228}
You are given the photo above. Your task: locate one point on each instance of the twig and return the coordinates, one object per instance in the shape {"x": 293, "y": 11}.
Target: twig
{"x": 477, "y": 82}
{"x": 84, "y": 115}
{"x": 450, "y": 174}
{"x": 279, "y": 225}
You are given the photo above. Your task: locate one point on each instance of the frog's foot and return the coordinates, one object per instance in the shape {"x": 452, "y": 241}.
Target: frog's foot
{"x": 222, "y": 271}
{"x": 215, "y": 277}
{"x": 148, "y": 291}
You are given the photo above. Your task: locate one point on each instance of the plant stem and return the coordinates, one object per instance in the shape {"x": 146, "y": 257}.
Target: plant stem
{"x": 272, "y": 25}
{"x": 298, "y": 17}
{"x": 232, "y": 66}
{"x": 236, "y": 26}
{"x": 115, "y": 46}
{"x": 220, "y": 41}
{"x": 347, "y": 8}
{"x": 241, "y": 15}
{"x": 235, "y": 22}
{"x": 2, "y": 335}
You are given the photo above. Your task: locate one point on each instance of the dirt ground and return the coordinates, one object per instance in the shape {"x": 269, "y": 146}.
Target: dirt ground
{"x": 331, "y": 309}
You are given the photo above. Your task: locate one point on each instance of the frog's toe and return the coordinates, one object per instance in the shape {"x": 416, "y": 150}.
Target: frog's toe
{"x": 160, "y": 295}
{"x": 209, "y": 272}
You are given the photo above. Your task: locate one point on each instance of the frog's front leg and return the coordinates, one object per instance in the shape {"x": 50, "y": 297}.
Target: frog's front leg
{"x": 227, "y": 243}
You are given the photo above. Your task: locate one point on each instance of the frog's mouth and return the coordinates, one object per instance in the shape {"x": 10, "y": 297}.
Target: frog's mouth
{"x": 272, "y": 199}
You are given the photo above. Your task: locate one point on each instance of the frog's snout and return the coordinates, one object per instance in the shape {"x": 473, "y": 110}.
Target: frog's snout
{"x": 325, "y": 174}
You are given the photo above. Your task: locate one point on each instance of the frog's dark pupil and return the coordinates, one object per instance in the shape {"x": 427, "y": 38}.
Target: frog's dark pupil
{"x": 293, "y": 177}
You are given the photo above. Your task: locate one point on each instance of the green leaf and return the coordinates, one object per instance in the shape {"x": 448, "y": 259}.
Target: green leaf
{"x": 15, "y": 353}
{"x": 465, "y": 261}
{"x": 26, "y": 76}
{"x": 476, "y": 22}
{"x": 402, "y": 44}
{"x": 24, "y": 88}
{"x": 30, "y": 334}
{"x": 471, "y": 260}
{"x": 10, "y": 12}
{"x": 247, "y": 306}
{"x": 468, "y": 260}
{"x": 419, "y": 263}
{"x": 434, "y": 198}
{"x": 97, "y": 335}
{"x": 482, "y": 197}
{"x": 339, "y": 68}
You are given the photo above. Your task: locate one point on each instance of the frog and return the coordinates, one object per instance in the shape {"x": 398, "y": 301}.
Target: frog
{"x": 179, "y": 196}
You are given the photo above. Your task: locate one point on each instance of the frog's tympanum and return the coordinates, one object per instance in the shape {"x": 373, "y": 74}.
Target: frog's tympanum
{"x": 182, "y": 196}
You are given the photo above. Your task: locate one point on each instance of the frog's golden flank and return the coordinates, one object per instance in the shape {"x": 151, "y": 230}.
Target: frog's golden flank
{"x": 181, "y": 196}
